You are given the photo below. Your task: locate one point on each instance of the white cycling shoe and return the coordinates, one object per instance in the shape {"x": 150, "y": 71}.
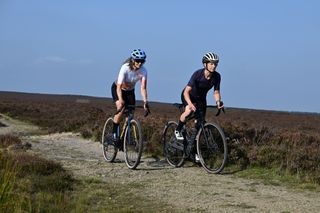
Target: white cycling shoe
{"x": 178, "y": 135}
{"x": 197, "y": 158}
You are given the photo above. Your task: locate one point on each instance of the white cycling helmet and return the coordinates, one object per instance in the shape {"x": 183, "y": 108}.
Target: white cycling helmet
{"x": 138, "y": 54}
{"x": 210, "y": 57}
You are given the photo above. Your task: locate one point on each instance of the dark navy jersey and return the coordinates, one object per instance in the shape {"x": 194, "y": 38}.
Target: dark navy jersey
{"x": 200, "y": 85}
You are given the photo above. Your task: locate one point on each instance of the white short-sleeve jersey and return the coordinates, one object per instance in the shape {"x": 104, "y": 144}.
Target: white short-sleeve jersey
{"x": 128, "y": 78}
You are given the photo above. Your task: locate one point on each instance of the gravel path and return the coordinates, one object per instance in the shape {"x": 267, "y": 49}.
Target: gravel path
{"x": 189, "y": 188}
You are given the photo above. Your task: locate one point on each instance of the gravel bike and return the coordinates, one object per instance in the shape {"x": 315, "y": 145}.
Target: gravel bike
{"x": 205, "y": 139}
{"x": 129, "y": 139}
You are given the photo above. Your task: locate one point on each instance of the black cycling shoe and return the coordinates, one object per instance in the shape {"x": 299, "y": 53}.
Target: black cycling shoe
{"x": 119, "y": 145}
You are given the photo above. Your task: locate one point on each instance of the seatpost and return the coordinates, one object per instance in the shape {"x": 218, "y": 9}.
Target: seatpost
{"x": 130, "y": 112}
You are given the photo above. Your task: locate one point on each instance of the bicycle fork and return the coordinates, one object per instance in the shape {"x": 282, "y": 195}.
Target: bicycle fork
{"x": 131, "y": 142}
{"x": 210, "y": 140}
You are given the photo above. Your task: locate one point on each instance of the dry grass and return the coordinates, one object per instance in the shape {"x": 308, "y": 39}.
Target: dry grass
{"x": 29, "y": 183}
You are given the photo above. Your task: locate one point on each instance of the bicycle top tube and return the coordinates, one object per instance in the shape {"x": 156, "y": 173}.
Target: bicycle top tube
{"x": 128, "y": 109}
{"x": 198, "y": 114}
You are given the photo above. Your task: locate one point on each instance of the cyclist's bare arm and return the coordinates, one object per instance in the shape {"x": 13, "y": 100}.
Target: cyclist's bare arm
{"x": 217, "y": 97}
{"x": 144, "y": 90}
{"x": 144, "y": 95}
{"x": 119, "y": 104}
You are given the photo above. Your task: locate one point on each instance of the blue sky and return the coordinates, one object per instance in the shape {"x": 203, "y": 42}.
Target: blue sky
{"x": 269, "y": 50}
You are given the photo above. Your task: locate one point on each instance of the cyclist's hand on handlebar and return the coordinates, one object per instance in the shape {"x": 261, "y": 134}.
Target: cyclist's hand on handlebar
{"x": 192, "y": 107}
{"x": 220, "y": 104}
{"x": 220, "y": 107}
{"x": 119, "y": 104}
{"x": 146, "y": 109}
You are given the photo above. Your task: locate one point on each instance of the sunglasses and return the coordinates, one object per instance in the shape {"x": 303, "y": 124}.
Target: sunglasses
{"x": 140, "y": 61}
{"x": 213, "y": 62}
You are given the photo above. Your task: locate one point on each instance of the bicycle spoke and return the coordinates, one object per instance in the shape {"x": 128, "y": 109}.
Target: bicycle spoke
{"x": 173, "y": 149}
{"x": 212, "y": 148}
{"x": 133, "y": 145}
{"x": 108, "y": 146}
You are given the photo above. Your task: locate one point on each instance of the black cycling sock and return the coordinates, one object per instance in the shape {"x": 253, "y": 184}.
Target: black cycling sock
{"x": 180, "y": 125}
{"x": 115, "y": 127}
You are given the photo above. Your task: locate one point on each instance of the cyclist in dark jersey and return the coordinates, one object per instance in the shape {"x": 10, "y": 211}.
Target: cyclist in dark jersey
{"x": 194, "y": 95}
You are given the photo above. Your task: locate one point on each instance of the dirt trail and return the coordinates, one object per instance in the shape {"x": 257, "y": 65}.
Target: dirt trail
{"x": 189, "y": 188}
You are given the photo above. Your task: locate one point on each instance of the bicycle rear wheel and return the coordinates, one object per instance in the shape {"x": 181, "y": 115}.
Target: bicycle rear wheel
{"x": 173, "y": 149}
{"x": 133, "y": 144}
{"x": 108, "y": 146}
{"x": 212, "y": 148}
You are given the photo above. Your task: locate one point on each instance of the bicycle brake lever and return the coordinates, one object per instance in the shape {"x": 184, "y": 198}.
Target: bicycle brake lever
{"x": 146, "y": 112}
{"x": 219, "y": 111}
{"x": 118, "y": 111}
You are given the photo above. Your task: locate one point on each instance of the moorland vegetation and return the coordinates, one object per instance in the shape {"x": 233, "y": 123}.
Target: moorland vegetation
{"x": 287, "y": 142}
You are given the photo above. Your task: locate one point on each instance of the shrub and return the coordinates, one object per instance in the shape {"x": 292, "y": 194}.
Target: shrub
{"x": 8, "y": 140}
{"x": 32, "y": 184}
{"x": 289, "y": 141}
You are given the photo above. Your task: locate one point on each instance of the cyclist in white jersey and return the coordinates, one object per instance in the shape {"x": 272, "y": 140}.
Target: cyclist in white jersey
{"x": 122, "y": 89}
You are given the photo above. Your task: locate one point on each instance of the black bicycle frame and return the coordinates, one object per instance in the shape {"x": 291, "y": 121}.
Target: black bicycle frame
{"x": 191, "y": 138}
{"x": 198, "y": 115}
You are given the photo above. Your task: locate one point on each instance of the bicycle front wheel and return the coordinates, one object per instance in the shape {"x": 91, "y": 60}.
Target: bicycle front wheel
{"x": 133, "y": 144}
{"x": 212, "y": 148}
{"x": 108, "y": 145}
{"x": 173, "y": 149}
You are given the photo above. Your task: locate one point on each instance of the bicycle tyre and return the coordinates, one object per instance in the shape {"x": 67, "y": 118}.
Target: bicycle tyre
{"x": 133, "y": 144}
{"x": 172, "y": 148}
{"x": 212, "y": 148}
{"x": 108, "y": 146}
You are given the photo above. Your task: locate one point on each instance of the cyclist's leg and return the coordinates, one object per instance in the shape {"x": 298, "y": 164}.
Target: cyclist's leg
{"x": 129, "y": 99}
{"x": 183, "y": 118}
{"x": 187, "y": 112}
{"x": 117, "y": 118}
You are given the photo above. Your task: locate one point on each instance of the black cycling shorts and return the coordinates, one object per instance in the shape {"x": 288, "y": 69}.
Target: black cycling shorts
{"x": 199, "y": 104}
{"x": 129, "y": 97}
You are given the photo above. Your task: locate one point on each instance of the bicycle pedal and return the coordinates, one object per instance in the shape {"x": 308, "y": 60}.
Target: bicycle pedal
{"x": 108, "y": 141}
{"x": 119, "y": 145}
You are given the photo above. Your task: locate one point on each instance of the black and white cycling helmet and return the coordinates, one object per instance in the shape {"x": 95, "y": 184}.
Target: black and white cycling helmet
{"x": 138, "y": 54}
{"x": 210, "y": 57}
